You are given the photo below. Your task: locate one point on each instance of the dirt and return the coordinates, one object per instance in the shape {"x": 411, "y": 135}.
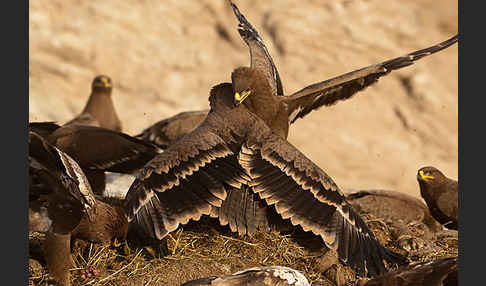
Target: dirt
{"x": 163, "y": 58}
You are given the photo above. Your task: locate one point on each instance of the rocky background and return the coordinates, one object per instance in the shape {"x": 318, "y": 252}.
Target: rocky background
{"x": 164, "y": 56}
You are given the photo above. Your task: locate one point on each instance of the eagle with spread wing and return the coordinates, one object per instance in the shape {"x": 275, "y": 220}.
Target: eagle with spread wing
{"x": 237, "y": 162}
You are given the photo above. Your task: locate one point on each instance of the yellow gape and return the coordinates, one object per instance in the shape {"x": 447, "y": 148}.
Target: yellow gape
{"x": 425, "y": 177}
{"x": 239, "y": 98}
{"x": 105, "y": 81}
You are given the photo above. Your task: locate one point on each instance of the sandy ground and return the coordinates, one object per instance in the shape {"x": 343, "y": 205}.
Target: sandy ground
{"x": 164, "y": 56}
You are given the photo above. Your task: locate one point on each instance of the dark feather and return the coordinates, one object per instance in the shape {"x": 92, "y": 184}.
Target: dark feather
{"x": 441, "y": 196}
{"x": 393, "y": 206}
{"x": 59, "y": 197}
{"x": 43, "y": 128}
{"x": 162, "y": 211}
{"x": 304, "y": 193}
{"x": 58, "y": 177}
{"x": 342, "y": 87}
{"x": 244, "y": 158}
{"x": 168, "y": 130}
{"x": 178, "y": 183}
{"x": 260, "y": 58}
{"x": 97, "y": 148}
{"x": 243, "y": 211}
{"x": 442, "y": 272}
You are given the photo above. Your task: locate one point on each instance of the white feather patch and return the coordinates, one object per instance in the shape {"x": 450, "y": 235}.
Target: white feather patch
{"x": 84, "y": 186}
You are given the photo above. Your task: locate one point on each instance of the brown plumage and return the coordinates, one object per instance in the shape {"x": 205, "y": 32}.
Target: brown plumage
{"x": 342, "y": 87}
{"x": 259, "y": 56}
{"x": 57, "y": 253}
{"x": 258, "y": 276}
{"x": 393, "y": 206}
{"x": 442, "y": 272}
{"x": 103, "y": 149}
{"x": 242, "y": 148}
{"x": 99, "y": 110}
{"x": 59, "y": 197}
{"x": 302, "y": 102}
{"x": 98, "y": 150}
{"x": 62, "y": 205}
{"x": 171, "y": 129}
{"x": 441, "y": 195}
{"x": 111, "y": 222}
{"x": 56, "y": 184}
{"x": 327, "y": 92}
{"x": 43, "y": 129}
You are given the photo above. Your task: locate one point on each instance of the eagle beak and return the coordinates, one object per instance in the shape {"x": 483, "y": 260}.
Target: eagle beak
{"x": 239, "y": 98}
{"x": 422, "y": 176}
{"x": 105, "y": 82}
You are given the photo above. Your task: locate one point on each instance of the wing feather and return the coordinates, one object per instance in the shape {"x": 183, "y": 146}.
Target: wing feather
{"x": 260, "y": 57}
{"x": 59, "y": 192}
{"x": 342, "y": 87}
{"x": 118, "y": 152}
{"x": 189, "y": 179}
{"x": 43, "y": 128}
{"x": 306, "y": 195}
{"x": 169, "y": 130}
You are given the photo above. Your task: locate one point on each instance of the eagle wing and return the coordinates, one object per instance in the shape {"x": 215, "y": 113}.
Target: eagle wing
{"x": 96, "y": 148}
{"x": 342, "y": 87}
{"x": 55, "y": 177}
{"x": 305, "y": 194}
{"x": 260, "y": 58}
{"x": 168, "y": 130}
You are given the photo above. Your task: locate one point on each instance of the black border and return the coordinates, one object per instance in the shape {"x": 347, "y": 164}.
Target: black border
{"x": 15, "y": 117}
{"x": 470, "y": 120}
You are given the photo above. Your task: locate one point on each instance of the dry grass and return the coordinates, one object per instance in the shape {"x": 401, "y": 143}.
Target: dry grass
{"x": 204, "y": 248}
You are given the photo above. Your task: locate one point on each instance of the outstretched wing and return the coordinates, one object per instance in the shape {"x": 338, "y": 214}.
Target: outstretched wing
{"x": 49, "y": 162}
{"x": 168, "y": 130}
{"x": 55, "y": 177}
{"x": 345, "y": 86}
{"x": 96, "y": 148}
{"x": 260, "y": 58}
{"x": 303, "y": 193}
{"x": 43, "y": 128}
{"x": 243, "y": 211}
{"x": 198, "y": 174}
{"x": 182, "y": 183}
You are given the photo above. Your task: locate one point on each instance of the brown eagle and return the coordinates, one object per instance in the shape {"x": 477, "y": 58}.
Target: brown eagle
{"x": 99, "y": 110}
{"x": 237, "y": 164}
